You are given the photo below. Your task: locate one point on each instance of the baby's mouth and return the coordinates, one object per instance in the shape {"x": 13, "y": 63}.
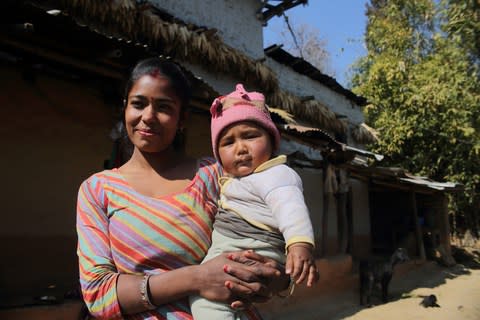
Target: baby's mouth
{"x": 243, "y": 161}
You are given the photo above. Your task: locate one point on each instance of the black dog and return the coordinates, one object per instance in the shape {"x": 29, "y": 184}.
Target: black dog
{"x": 430, "y": 301}
{"x": 375, "y": 273}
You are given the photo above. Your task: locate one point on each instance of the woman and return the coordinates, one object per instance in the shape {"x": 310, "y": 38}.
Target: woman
{"x": 144, "y": 228}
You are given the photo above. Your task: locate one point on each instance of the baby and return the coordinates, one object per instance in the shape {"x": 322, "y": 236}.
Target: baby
{"x": 261, "y": 205}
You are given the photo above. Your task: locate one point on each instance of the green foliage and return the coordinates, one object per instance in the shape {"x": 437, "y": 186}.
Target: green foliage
{"x": 421, "y": 76}
{"x": 462, "y": 21}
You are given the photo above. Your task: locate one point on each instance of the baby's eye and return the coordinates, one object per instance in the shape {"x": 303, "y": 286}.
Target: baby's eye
{"x": 252, "y": 135}
{"x": 226, "y": 142}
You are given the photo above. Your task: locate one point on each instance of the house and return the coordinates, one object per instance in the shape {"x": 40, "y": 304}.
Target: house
{"x": 63, "y": 64}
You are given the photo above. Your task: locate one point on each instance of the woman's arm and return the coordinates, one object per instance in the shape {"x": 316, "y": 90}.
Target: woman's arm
{"x": 98, "y": 274}
{"x": 162, "y": 288}
{"x": 220, "y": 279}
{"x": 107, "y": 293}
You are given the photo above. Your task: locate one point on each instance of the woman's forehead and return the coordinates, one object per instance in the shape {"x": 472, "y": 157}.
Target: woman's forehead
{"x": 156, "y": 85}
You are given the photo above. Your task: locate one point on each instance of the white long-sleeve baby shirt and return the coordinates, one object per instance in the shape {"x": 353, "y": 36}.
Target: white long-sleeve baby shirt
{"x": 271, "y": 199}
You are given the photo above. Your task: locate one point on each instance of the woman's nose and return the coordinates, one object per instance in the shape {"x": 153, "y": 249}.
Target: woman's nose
{"x": 148, "y": 114}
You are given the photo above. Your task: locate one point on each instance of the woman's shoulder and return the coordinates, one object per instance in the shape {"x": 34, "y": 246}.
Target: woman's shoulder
{"x": 207, "y": 161}
{"x": 208, "y": 166}
{"x": 102, "y": 177}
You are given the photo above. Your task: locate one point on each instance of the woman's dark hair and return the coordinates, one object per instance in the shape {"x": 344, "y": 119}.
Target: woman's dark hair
{"x": 166, "y": 68}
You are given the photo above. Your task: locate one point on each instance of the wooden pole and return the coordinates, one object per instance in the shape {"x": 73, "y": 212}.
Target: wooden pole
{"x": 418, "y": 229}
{"x": 325, "y": 222}
{"x": 445, "y": 226}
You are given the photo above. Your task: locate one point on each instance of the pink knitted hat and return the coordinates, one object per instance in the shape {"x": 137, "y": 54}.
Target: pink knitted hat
{"x": 237, "y": 106}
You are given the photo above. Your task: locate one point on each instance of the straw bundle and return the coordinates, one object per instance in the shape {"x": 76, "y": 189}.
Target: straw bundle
{"x": 364, "y": 134}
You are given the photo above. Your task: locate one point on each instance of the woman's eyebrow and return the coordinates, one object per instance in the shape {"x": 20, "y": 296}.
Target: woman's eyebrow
{"x": 138, "y": 96}
{"x": 161, "y": 99}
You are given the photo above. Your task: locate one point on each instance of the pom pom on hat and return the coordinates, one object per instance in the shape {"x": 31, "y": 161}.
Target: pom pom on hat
{"x": 237, "y": 106}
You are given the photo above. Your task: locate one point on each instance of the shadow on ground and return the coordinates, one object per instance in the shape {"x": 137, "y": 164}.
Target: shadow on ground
{"x": 469, "y": 257}
{"x": 428, "y": 275}
{"x": 346, "y": 303}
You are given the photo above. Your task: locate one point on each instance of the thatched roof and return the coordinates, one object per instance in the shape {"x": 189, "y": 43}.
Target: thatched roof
{"x": 364, "y": 134}
{"x": 139, "y": 23}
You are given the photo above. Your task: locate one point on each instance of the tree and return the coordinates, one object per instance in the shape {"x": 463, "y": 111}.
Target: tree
{"x": 304, "y": 41}
{"x": 462, "y": 20}
{"x": 422, "y": 81}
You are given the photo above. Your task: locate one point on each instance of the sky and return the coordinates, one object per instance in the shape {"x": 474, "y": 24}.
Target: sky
{"x": 341, "y": 24}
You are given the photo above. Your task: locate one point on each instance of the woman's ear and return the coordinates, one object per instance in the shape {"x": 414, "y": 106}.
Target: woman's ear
{"x": 183, "y": 120}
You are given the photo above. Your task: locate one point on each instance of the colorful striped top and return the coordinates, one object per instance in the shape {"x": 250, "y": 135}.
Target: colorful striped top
{"x": 122, "y": 231}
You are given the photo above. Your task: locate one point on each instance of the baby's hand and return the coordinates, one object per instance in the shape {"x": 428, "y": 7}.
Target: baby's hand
{"x": 300, "y": 263}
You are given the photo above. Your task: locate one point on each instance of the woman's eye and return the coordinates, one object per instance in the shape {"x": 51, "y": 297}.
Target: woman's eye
{"x": 136, "y": 104}
{"x": 162, "y": 107}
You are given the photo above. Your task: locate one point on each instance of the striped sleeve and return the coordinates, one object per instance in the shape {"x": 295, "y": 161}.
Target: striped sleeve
{"x": 98, "y": 275}
{"x": 210, "y": 171}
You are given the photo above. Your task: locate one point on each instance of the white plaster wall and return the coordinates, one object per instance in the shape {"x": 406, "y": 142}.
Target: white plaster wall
{"x": 312, "y": 180}
{"x": 301, "y": 85}
{"x": 360, "y": 207}
{"x": 235, "y": 20}
{"x": 289, "y": 146}
{"x": 220, "y": 82}
{"x": 361, "y": 244}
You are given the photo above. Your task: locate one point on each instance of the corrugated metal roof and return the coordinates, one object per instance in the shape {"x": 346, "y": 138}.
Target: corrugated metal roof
{"x": 402, "y": 179}
{"x": 337, "y": 151}
{"x": 304, "y": 67}
{"x": 432, "y": 184}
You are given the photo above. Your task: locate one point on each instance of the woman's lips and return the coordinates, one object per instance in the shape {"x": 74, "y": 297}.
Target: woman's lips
{"x": 146, "y": 133}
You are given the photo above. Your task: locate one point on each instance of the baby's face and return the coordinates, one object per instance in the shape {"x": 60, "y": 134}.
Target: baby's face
{"x": 243, "y": 146}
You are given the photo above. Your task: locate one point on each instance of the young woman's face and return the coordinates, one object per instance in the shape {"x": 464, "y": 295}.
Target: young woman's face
{"x": 244, "y": 146}
{"x": 153, "y": 114}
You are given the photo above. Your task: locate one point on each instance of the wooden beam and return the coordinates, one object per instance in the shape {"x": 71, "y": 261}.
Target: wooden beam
{"x": 279, "y": 9}
{"x": 63, "y": 59}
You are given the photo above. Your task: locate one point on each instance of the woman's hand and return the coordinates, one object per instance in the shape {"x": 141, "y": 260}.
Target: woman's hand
{"x": 247, "y": 277}
{"x": 257, "y": 279}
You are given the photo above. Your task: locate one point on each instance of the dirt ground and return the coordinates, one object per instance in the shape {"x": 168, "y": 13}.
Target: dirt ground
{"x": 457, "y": 290}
